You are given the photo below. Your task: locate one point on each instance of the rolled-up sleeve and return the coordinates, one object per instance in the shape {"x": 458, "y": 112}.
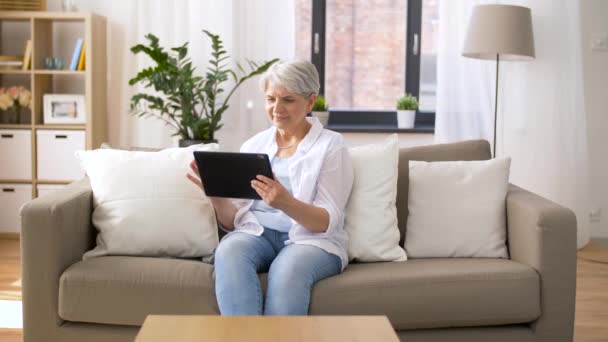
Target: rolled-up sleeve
{"x": 334, "y": 185}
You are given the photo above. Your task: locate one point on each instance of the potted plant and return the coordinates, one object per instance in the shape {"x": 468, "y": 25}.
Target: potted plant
{"x": 320, "y": 110}
{"x": 13, "y": 100}
{"x": 193, "y": 105}
{"x": 406, "y": 111}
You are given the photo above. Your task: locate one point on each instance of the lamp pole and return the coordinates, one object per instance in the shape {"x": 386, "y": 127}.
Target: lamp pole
{"x": 495, "y": 106}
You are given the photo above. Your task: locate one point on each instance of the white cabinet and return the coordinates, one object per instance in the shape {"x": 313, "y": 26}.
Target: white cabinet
{"x": 12, "y": 197}
{"x": 56, "y": 160}
{"x": 15, "y": 154}
{"x": 45, "y": 189}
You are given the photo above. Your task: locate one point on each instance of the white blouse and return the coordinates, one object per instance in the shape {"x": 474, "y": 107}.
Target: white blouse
{"x": 321, "y": 174}
{"x": 267, "y": 216}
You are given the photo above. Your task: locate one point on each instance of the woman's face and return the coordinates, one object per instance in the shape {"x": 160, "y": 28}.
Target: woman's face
{"x": 287, "y": 110}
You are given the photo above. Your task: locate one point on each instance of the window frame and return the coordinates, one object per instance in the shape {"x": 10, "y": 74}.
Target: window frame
{"x": 425, "y": 120}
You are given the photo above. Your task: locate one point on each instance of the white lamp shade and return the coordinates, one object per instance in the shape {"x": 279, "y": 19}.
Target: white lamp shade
{"x": 504, "y": 30}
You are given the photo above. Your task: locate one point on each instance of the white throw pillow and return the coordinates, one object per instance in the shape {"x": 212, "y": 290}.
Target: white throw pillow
{"x": 144, "y": 204}
{"x": 371, "y": 211}
{"x": 457, "y": 209}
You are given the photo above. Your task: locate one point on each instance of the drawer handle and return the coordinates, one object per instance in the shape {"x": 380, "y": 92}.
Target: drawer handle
{"x": 61, "y": 136}
{"x": 8, "y": 190}
{"x": 7, "y": 135}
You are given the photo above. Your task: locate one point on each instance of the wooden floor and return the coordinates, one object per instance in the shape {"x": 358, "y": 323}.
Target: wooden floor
{"x": 10, "y": 284}
{"x": 591, "y": 323}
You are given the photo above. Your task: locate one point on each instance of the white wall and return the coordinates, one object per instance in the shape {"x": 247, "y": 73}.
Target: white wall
{"x": 594, "y": 15}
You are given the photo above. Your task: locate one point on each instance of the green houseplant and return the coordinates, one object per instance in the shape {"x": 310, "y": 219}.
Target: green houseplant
{"x": 193, "y": 105}
{"x": 320, "y": 110}
{"x": 406, "y": 111}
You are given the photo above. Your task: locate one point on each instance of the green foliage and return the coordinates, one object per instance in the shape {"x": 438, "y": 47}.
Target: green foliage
{"x": 193, "y": 105}
{"x": 407, "y": 102}
{"x": 320, "y": 105}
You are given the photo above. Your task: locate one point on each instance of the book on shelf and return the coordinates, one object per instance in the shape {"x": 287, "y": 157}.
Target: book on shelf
{"x": 81, "y": 60}
{"x": 27, "y": 55}
{"x": 11, "y": 63}
{"x": 76, "y": 54}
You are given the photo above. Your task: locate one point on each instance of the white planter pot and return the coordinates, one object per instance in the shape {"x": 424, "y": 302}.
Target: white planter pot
{"x": 322, "y": 116}
{"x": 406, "y": 118}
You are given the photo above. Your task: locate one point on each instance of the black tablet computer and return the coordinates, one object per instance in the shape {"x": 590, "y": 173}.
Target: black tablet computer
{"x": 229, "y": 174}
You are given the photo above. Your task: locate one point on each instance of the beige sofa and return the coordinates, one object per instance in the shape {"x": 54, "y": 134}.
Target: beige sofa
{"x": 527, "y": 298}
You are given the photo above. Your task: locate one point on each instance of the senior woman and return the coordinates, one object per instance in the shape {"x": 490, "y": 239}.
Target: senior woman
{"x": 296, "y": 232}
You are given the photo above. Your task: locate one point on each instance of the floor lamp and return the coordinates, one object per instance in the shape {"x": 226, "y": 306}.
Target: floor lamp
{"x": 499, "y": 32}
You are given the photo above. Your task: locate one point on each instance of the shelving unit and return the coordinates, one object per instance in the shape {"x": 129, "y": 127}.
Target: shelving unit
{"x": 53, "y": 34}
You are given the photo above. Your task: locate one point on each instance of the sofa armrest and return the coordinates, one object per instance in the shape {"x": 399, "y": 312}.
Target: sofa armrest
{"x": 56, "y": 231}
{"x": 542, "y": 234}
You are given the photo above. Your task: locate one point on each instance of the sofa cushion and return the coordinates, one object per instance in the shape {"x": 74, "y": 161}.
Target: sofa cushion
{"x": 433, "y": 293}
{"x": 123, "y": 290}
{"x": 422, "y": 293}
{"x": 465, "y": 150}
{"x": 129, "y": 188}
{"x": 371, "y": 213}
{"x": 457, "y": 209}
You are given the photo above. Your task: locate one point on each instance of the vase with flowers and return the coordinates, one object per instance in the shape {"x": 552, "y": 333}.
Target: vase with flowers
{"x": 14, "y": 101}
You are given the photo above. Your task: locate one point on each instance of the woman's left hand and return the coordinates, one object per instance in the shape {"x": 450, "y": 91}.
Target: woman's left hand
{"x": 271, "y": 191}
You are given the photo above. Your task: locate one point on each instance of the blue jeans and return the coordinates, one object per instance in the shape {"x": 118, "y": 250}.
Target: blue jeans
{"x": 292, "y": 272}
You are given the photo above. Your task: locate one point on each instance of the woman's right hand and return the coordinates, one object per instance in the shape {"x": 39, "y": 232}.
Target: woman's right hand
{"x": 196, "y": 178}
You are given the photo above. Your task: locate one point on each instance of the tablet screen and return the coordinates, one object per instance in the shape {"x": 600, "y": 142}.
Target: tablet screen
{"x": 229, "y": 174}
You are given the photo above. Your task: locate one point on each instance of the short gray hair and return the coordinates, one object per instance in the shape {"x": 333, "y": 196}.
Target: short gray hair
{"x": 300, "y": 77}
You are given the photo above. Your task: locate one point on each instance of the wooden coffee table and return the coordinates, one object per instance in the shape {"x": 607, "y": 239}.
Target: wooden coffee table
{"x": 266, "y": 328}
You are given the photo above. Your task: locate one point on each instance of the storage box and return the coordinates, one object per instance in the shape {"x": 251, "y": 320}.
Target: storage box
{"x": 45, "y": 189}
{"x": 12, "y": 197}
{"x": 56, "y": 160}
{"x": 15, "y": 154}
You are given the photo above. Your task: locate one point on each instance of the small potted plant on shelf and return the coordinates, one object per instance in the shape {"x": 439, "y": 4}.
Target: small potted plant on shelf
{"x": 193, "y": 105}
{"x": 320, "y": 110}
{"x": 13, "y": 101}
{"x": 406, "y": 111}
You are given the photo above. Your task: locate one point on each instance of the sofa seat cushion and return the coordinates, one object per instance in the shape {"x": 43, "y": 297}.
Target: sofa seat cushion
{"x": 433, "y": 293}
{"x": 418, "y": 293}
{"x": 123, "y": 290}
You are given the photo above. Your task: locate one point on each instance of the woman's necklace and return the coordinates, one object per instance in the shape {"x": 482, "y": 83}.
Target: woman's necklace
{"x": 290, "y": 146}
{"x": 287, "y": 147}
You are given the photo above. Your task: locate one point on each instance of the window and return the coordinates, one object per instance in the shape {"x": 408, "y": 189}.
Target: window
{"x": 428, "y": 55}
{"x": 369, "y": 53}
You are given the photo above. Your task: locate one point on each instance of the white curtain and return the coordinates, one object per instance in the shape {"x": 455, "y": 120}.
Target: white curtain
{"x": 256, "y": 30}
{"x": 542, "y": 118}
{"x": 465, "y": 87}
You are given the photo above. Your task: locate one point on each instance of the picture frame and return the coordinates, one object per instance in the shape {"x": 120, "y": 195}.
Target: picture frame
{"x": 64, "y": 109}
